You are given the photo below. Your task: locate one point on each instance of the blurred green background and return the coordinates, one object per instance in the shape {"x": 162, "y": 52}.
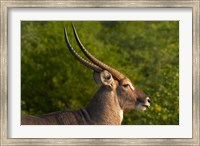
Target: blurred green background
{"x": 147, "y": 52}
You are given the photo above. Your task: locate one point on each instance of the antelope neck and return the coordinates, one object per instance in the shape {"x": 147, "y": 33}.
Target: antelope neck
{"x": 104, "y": 108}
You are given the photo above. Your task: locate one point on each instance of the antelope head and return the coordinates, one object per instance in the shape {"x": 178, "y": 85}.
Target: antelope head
{"x": 113, "y": 83}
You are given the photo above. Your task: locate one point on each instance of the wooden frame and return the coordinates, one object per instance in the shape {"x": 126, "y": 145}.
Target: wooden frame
{"x": 5, "y": 5}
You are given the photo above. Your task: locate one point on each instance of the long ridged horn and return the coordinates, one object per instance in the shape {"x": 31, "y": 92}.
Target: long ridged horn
{"x": 97, "y": 62}
{"x": 78, "y": 57}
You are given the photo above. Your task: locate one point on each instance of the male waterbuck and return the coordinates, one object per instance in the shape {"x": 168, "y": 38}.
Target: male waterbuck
{"x": 116, "y": 95}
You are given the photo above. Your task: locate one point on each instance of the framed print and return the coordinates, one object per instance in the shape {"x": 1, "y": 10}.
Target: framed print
{"x": 149, "y": 85}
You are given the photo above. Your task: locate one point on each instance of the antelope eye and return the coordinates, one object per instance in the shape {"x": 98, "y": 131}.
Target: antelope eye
{"x": 125, "y": 85}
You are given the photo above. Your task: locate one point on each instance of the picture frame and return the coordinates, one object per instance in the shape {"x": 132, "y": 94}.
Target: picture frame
{"x": 5, "y": 5}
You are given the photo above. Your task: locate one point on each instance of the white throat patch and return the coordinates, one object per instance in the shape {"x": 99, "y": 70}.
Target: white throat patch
{"x": 121, "y": 114}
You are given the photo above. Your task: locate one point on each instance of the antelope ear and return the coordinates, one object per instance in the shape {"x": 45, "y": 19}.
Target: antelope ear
{"x": 107, "y": 79}
{"x": 96, "y": 76}
{"x": 104, "y": 78}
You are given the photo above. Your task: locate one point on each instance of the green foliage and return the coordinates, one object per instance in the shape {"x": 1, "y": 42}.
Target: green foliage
{"x": 146, "y": 52}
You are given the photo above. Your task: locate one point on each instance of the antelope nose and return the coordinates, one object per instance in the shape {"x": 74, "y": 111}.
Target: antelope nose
{"x": 148, "y": 100}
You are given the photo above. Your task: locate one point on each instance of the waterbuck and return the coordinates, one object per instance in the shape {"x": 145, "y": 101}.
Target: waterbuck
{"x": 116, "y": 95}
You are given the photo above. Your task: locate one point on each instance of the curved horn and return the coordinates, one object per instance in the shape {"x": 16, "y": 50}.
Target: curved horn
{"x": 78, "y": 57}
{"x": 97, "y": 62}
